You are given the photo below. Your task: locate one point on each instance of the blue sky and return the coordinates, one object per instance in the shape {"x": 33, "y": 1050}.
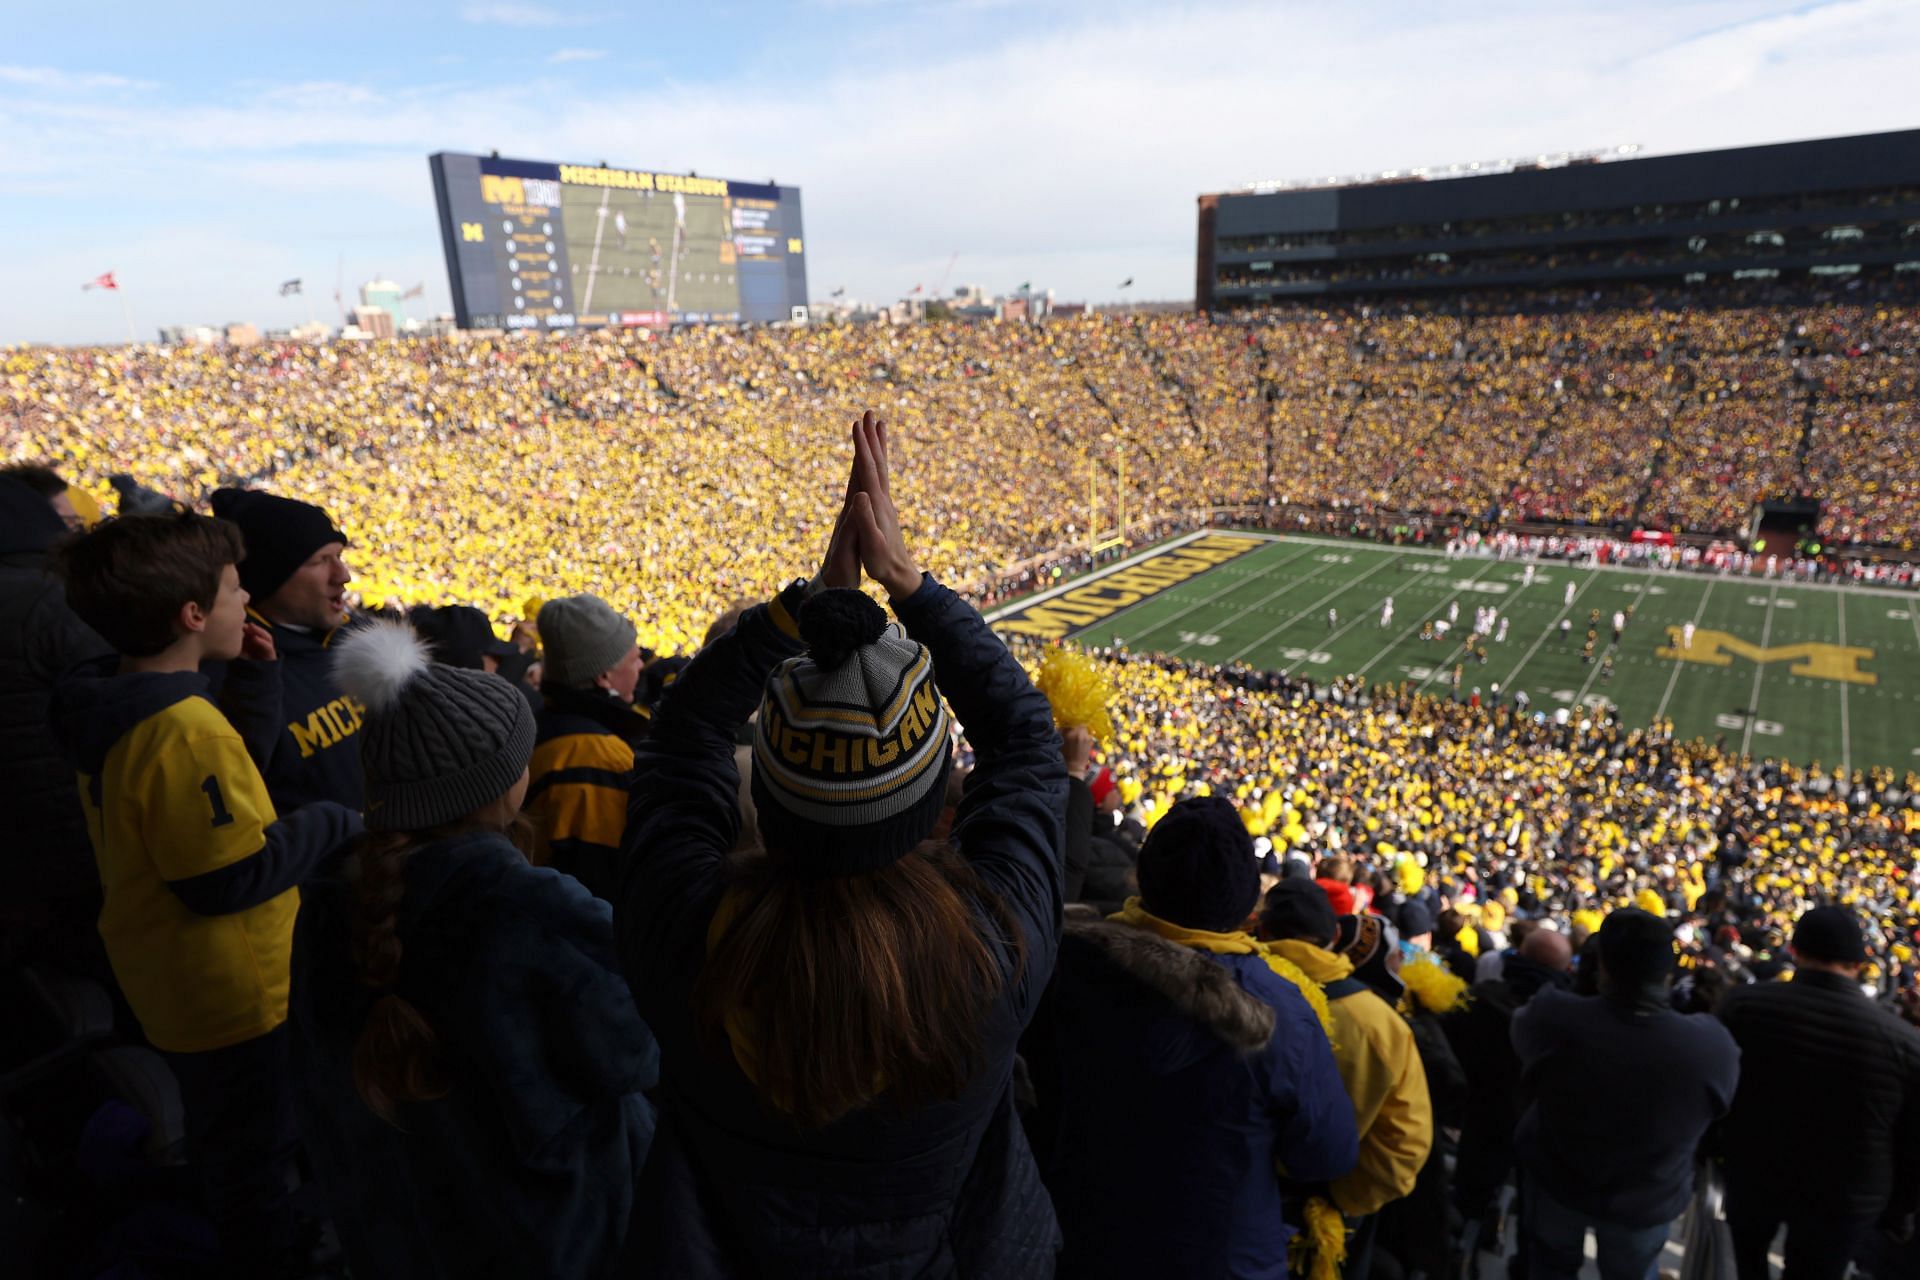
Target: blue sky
{"x": 205, "y": 152}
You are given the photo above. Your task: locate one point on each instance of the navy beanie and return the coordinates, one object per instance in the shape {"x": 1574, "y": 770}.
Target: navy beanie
{"x": 280, "y": 532}
{"x": 1299, "y": 908}
{"x": 1636, "y": 947}
{"x": 1197, "y": 868}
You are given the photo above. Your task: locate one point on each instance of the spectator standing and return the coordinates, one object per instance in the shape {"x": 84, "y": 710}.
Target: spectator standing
{"x": 292, "y": 714}
{"x": 1176, "y": 1067}
{"x": 587, "y": 730}
{"x": 1482, "y": 1039}
{"x": 1621, "y": 1090}
{"x": 1378, "y": 1059}
{"x": 199, "y": 871}
{"x": 1824, "y": 1135}
{"x": 469, "y": 1062}
{"x": 52, "y": 895}
{"x": 838, "y": 1015}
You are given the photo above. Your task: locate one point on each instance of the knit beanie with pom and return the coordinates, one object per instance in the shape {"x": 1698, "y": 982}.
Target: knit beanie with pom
{"x": 851, "y": 751}
{"x": 439, "y": 742}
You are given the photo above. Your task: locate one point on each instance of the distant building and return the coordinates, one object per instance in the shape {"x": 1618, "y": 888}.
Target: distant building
{"x": 373, "y": 321}
{"x": 180, "y": 335}
{"x": 384, "y": 294}
{"x": 314, "y": 331}
{"x": 242, "y": 335}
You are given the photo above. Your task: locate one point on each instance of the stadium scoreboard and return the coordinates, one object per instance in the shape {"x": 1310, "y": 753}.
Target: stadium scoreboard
{"x": 540, "y": 246}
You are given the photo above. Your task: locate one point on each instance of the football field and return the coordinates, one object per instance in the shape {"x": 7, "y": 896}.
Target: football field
{"x": 1803, "y": 672}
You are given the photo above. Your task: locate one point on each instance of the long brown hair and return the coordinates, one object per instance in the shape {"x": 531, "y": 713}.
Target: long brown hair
{"x": 848, "y": 987}
{"x": 397, "y": 1057}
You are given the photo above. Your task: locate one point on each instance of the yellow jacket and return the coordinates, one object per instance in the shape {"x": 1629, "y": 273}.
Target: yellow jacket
{"x": 1380, "y": 1064}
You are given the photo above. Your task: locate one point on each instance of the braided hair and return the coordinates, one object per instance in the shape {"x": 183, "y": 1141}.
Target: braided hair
{"x": 397, "y": 1057}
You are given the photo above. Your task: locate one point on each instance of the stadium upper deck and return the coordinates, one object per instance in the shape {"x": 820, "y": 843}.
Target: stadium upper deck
{"x": 1829, "y": 208}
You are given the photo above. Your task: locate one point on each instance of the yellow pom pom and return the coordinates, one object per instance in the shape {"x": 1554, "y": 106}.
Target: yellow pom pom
{"x": 1288, "y": 971}
{"x": 1431, "y": 985}
{"x": 1320, "y": 1251}
{"x": 1652, "y": 903}
{"x": 1078, "y": 691}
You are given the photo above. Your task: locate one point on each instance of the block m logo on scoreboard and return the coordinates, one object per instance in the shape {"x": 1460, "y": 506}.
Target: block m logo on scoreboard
{"x": 1814, "y": 660}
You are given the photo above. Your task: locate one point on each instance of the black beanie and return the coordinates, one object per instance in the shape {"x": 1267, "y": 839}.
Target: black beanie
{"x": 1636, "y": 947}
{"x": 1299, "y": 908}
{"x": 1197, "y": 868}
{"x": 280, "y": 532}
{"x": 1832, "y": 934}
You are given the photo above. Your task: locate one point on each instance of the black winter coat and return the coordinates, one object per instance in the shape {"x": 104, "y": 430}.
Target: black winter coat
{"x": 40, "y": 640}
{"x": 528, "y": 1166}
{"x": 1828, "y": 1110}
{"x": 734, "y": 1188}
{"x": 1621, "y": 1091}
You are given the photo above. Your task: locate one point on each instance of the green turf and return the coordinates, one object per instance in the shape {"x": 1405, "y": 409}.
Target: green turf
{"x": 1269, "y": 609}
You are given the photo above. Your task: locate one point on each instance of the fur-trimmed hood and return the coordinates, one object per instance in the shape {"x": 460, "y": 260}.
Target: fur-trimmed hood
{"x": 1198, "y": 986}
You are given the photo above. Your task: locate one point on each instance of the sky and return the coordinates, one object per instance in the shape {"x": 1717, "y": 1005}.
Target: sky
{"x": 205, "y": 152}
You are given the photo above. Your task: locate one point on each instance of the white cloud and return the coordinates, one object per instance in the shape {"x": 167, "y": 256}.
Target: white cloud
{"x": 515, "y": 15}
{"x": 1065, "y": 153}
{"x": 559, "y": 56}
{"x": 55, "y": 78}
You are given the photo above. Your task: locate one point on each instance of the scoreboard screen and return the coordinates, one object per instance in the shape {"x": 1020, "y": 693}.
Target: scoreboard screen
{"x": 533, "y": 245}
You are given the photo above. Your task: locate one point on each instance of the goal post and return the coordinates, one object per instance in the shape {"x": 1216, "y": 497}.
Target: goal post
{"x": 1106, "y": 539}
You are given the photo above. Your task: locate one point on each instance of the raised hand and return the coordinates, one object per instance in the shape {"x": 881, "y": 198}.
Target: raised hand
{"x": 840, "y": 567}
{"x": 256, "y": 643}
{"x": 883, "y": 548}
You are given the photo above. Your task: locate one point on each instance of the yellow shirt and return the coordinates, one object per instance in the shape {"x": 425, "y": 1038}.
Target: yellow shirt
{"x": 177, "y": 796}
{"x": 1380, "y": 1065}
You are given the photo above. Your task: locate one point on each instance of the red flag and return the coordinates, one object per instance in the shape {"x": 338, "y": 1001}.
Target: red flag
{"x": 916, "y": 288}
{"x": 100, "y": 282}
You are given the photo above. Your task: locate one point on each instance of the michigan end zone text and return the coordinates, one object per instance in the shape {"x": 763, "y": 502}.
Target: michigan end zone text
{"x": 1122, "y": 587}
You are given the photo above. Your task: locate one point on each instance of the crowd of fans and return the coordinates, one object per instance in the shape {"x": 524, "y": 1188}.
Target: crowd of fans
{"x": 543, "y": 955}
{"x": 820, "y": 947}
{"x": 490, "y": 471}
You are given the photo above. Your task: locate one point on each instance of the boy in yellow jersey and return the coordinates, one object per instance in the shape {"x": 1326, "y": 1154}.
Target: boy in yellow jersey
{"x": 199, "y": 877}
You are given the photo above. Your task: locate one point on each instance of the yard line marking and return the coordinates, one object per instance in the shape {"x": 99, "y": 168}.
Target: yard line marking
{"x": 1231, "y": 586}
{"x": 1759, "y": 671}
{"x": 1506, "y": 686}
{"x": 1674, "y": 679}
{"x": 1846, "y": 731}
{"x": 1343, "y": 586}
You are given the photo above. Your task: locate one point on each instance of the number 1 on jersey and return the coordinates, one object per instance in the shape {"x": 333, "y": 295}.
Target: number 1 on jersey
{"x": 221, "y": 817}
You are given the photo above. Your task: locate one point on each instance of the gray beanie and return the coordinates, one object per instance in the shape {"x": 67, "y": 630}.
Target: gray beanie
{"x": 438, "y": 741}
{"x": 580, "y": 637}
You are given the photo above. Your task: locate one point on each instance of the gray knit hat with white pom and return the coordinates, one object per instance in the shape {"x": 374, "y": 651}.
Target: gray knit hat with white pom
{"x": 439, "y": 742}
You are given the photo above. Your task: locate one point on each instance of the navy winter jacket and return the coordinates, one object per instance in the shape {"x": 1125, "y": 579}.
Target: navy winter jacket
{"x": 734, "y": 1188}
{"x": 1621, "y": 1089}
{"x": 527, "y": 1167}
{"x": 300, "y": 728}
{"x": 1172, "y": 1083}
